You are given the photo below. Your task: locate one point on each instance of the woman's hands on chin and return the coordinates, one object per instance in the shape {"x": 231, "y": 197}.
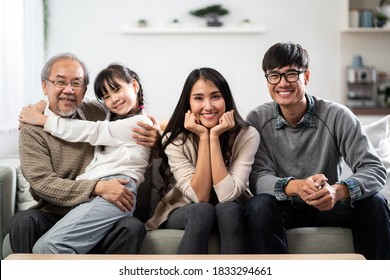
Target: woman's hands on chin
{"x": 226, "y": 122}
{"x": 192, "y": 123}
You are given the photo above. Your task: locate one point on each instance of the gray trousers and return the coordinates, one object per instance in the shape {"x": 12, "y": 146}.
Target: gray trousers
{"x": 200, "y": 219}
{"x": 84, "y": 226}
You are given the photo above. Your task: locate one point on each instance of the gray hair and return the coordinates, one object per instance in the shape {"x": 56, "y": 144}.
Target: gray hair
{"x": 63, "y": 56}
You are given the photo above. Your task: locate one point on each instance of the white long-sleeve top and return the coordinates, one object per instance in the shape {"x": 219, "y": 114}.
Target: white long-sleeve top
{"x": 116, "y": 151}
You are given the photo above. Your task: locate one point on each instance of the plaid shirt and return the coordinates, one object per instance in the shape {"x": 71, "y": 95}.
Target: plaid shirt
{"x": 307, "y": 118}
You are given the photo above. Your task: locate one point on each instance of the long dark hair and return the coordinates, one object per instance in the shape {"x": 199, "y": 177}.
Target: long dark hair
{"x": 175, "y": 126}
{"x": 108, "y": 76}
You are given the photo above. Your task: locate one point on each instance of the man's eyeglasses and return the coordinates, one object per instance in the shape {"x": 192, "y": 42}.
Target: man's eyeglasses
{"x": 291, "y": 76}
{"x": 63, "y": 84}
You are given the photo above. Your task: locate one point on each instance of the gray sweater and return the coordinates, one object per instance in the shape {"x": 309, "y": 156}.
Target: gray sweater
{"x": 299, "y": 152}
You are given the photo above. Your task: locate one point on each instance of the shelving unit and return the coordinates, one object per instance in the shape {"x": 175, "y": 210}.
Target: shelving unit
{"x": 366, "y": 30}
{"x": 371, "y": 111}
{"x": 372, "y": 43}
{"x": 192, "y": 30}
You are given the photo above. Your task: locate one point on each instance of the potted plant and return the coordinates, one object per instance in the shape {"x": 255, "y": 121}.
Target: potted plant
{"x": 383, "y": 13}
{"x": 381, "y": 19}
{"x": 211, "y": 14}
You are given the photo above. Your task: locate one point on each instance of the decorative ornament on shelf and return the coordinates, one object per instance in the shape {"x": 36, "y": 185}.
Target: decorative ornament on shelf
{"x": 246, "y": 22}
{"x": 382, "y": 15}
{"x": 381, "y": 19}
{"x": 142, "y": 23}
{"x": 175, "y": 22}
{"x": 211, "y": 13}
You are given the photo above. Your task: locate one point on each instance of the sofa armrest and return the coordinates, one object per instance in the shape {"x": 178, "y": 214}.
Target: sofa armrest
{"x": 7, "y": 196}
{"x": 8, "y": 189}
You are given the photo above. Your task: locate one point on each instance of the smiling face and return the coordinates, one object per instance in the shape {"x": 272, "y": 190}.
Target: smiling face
{"x": 122, "y": 99}
{"x": 289, "y": 95}
{"x": 64, "y": 101}
{"x": 207, "y": 103}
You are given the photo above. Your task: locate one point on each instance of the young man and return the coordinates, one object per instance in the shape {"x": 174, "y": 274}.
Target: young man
{"x": 295, "y": 177}
{"x": 51, "y": 165}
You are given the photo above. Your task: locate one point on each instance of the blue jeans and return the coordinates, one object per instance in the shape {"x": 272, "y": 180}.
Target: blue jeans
{"x": 84, "y": 226}
{"x": 268, "y": 219}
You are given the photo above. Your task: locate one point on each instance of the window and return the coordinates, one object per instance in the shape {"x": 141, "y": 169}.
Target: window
{"x": 22, "y": 56}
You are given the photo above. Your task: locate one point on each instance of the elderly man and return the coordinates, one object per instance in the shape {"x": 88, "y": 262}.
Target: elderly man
{"x": 51, "y": 165}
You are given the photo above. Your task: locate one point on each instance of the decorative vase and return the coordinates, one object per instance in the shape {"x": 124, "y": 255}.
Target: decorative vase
{"x": 380, "y": 23}
{"x": 213, "y": 21}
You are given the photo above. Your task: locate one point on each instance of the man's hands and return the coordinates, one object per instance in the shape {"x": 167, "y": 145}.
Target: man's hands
{"x": 316, "y": 191}
{"x": 325, "y": 198}
{"x": 148, "y": 135}
{"x": 115, "y": 192}
{"x": 306, "y": 187}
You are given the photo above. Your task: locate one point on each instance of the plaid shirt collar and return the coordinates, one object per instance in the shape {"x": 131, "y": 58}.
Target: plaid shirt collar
{"x": 307, "y": 118}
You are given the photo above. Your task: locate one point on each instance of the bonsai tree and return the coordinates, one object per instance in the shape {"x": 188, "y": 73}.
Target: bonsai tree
{"x": 211, "y": 13}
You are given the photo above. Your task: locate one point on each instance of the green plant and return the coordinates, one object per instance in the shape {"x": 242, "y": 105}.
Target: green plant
{"x": 45, "y": 22}
{"x": 210, "y": 10}
{"x": 381, "y": 16}
{"x": 211, "y": 13}
{"x": 381, "y": 19}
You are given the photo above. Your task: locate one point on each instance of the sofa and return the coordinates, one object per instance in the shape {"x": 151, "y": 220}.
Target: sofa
{"x": 15, "y": 196}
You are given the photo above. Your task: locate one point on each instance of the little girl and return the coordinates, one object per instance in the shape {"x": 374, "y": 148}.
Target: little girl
{"x": 117, "y": 155}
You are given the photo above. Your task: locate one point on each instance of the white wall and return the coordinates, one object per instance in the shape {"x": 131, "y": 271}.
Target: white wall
{"x": 91, "y": 29}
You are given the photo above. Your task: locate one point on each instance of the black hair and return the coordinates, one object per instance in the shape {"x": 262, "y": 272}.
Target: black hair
{"x": 107, "y": 77}
{"x": 285, "y": 54}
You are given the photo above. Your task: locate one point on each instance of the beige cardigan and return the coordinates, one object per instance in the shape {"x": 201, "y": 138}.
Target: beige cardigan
{"x": 182, "y": 161}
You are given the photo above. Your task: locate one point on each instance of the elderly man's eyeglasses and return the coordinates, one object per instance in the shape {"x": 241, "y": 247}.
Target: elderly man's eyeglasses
{"x": 63, "y": 84}
{"x": 291, "y": 76}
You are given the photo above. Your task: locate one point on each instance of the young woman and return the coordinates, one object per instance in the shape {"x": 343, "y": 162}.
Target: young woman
{"x": 117, "y": 156}
{"x": 210, "y": 150}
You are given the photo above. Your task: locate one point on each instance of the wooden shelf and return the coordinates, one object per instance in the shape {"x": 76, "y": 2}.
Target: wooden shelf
{"x": 371, "y": 111}
{"x": 171, "y": 30}
{"x": 366, "y": 30}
